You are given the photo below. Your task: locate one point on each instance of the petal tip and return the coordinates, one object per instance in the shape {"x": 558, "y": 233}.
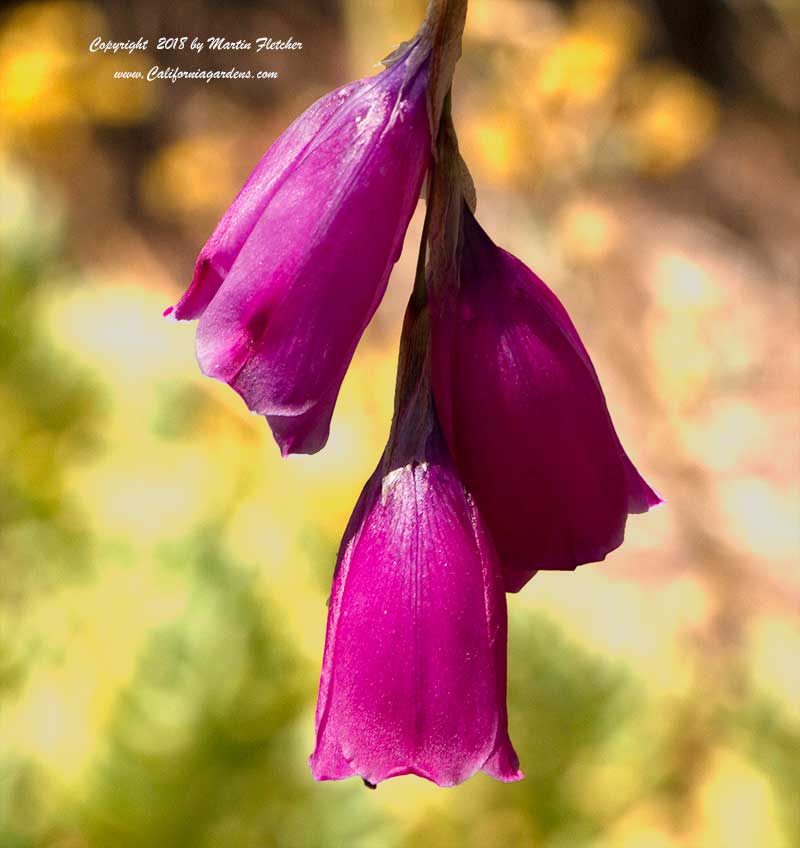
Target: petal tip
{"x": 296, "y": 445}
{"x": 652, "y": 499}
{"x": 305, "y": 433}
{"x": 510, "y": 777}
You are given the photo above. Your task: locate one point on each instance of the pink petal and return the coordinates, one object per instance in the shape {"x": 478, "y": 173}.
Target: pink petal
{"x": 414, "y": 674}
{"x": 526, "y": 419}
{"x": 296, "y": 268}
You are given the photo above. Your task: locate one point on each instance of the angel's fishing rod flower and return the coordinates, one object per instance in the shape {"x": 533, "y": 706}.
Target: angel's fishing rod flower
{"x": 414, "y": 673}
{"x": 295, "y": 269}
{"x": 525, "y": 417}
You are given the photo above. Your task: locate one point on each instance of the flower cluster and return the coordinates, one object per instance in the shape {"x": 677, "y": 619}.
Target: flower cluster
{"x": 502, "y": 458}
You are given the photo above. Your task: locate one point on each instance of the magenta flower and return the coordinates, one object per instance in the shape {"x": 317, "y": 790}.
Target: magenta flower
{"x": 525, "y": 417}
{"x": 297, "y": 266}
{"x": 414, "y": 674}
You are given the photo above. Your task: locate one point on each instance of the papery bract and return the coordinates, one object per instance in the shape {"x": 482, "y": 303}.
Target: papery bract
{"x": 297, "y": 266}
{"x": 525, "y": 416}
{"x": 414, "y": 673}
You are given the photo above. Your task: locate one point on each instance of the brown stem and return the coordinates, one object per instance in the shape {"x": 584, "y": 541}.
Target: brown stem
{"x": 446, "y": 201}
{"x": 443, "y": 28}
{"x": 414, "y": 415}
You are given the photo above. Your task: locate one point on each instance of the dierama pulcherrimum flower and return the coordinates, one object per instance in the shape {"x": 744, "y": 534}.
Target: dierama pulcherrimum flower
{"x": 297, "y": 266}
{"x": 414, "y": 672}
{"x": 525, "y": 416}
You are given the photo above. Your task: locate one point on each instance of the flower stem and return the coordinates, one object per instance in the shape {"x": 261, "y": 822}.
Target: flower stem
{"x": 414, "y": 414}
{"x": 443, "y": 27}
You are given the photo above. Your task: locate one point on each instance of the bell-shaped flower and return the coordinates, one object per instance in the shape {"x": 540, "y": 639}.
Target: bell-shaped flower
{"x": 525, "y": 418}
{"x": 298, "y": 264}
{"x": 414, "y": 673}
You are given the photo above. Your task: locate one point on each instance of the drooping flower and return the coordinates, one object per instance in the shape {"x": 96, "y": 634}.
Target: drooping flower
{"x": 525, "y": 416}
{"x": 297, "y": 266}
{"x": 414, "y": 673}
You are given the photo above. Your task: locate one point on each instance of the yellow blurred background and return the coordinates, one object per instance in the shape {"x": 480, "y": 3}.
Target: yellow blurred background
{"x": 163, "y": 573}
